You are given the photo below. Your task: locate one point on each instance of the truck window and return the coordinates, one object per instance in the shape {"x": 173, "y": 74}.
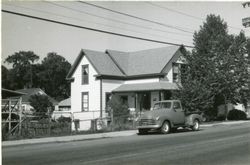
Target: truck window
{"x": 157, "y": 106}
{"x": 177, "y": 105}
{"x": 166, "y": 105}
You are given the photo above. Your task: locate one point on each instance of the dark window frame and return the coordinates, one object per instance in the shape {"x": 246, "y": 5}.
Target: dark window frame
{"x": 176, "y": 75}
{"x": 85, "y": 78}
{"x": 108, "y": 96}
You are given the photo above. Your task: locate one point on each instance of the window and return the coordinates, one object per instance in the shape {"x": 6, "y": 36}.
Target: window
{"x": 107, "y": 99}
{"x": 124, "y": 99}
{"x": 85, "y": 74}
{"x": 176, "y": 72}
{"x": 166, "y": 105}
{"x": 85, "y": 101}
{"x": 177, "y": 105}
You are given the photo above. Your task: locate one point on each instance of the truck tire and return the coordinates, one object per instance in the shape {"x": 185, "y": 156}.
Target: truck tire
{"x": 196, "y": 125}
{"x": 165, "y": 128}
{"x": 142, "y": 131}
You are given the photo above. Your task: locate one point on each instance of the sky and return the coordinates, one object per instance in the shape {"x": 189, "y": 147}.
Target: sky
{"x": 180, "y": 20}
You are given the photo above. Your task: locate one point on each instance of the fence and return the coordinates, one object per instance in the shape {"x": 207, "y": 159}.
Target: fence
{"x": 92, "y": 122}
{"x": 11, "y": 116}
{"x": 67, "y": 123}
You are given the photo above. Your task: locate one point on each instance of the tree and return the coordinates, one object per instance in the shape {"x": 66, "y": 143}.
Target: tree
{"x": 119, "y": 111}
{"x": 53, "y": 72}
{"x": 42, "y": 105}
{"x": 216, "y": 68}
{"x": 21, "y": 72}
{"x": 5, "y": 77}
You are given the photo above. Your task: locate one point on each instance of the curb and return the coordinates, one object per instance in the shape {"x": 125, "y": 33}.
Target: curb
{"x": 69, "y": 138}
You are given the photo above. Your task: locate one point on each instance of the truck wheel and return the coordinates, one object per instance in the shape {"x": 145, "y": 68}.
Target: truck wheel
{"x": 196, "y": 125}
{"x": 142, "y": 131}
{"x": 165, "y": 128}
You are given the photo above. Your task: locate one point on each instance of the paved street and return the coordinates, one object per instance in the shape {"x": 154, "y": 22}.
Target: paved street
{"x": 225, "y": 144}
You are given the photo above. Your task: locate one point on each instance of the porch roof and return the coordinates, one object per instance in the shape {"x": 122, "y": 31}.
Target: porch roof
{"x": 155, "y": 86}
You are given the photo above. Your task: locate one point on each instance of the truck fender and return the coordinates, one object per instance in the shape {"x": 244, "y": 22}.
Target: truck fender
{"x": 166, "y": 119}
{"x": 189, "y": 120}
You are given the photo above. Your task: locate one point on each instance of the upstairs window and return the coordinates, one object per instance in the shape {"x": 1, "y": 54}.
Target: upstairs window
{"x": 176, "y": 72}
{"x": 85, "y": 74}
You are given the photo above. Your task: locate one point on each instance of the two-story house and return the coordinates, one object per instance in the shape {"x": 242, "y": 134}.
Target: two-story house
{"x": 140, "y": 78}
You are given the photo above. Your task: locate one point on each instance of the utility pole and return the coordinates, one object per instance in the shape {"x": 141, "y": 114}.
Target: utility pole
{"x": 246, "y": 21}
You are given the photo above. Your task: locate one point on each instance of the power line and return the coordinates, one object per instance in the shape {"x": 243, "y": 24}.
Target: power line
{"x": 114, "y": 20}
{"x": 92, "y": 29}
{"x": 185, "y": 14}
{"x": 139, "y": 18}
{"x": 176, "y": 11}
{"x": 82, "y": 20}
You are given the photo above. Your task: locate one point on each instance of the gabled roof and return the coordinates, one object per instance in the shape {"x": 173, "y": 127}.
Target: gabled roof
{"x": 33, "y": 91}
{"x": 149, "y": 61}
{"x": 100, "y": 61}
{"x": 127, "y": 64}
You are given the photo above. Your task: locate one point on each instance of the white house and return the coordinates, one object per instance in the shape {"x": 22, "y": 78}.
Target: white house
{"x": 140, "y": 78}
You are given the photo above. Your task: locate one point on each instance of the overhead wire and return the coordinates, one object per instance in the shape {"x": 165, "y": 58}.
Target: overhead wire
{"x": 185, "y": 14}
{"x": 139, "y": 18}
{"x": 115, "y": 20}
{"x": 93, "y": 29}
{"x": 73, "y": 18}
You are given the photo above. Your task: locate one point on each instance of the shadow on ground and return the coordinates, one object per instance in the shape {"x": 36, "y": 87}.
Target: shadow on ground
{"x": 182, "y": 130}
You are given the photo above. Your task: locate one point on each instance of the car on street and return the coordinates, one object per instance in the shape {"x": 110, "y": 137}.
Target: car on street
{"x": 166, "y": 116}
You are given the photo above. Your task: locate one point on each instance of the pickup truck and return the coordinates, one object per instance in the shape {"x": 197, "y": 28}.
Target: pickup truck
{"x": 167, "y": 116}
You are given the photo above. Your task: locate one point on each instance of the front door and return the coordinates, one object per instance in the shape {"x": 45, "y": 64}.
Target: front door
{"x": 144, "y": 100}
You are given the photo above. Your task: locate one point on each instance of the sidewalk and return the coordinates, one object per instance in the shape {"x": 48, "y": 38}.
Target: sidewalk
{"x": 225, "y": 123}
{"x": 96, "y": 136}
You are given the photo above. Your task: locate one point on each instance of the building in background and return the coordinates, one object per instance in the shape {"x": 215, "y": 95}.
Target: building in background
{"x": 26, "y": 107}
{"x": 63, "y": 109}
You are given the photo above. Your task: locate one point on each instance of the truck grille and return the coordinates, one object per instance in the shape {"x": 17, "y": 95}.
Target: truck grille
{"x": 147, "y": 122}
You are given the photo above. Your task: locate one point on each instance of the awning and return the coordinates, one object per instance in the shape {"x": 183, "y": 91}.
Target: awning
{"x": 155, "y": 86}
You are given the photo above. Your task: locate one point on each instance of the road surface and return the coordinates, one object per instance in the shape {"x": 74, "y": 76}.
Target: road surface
{"x": 229, "y": 144}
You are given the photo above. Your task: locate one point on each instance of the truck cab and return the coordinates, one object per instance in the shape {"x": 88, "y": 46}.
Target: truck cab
{"x": 165, "y": 116}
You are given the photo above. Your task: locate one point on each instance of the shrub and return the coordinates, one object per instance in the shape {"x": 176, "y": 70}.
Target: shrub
{"x": 64, "y": 119}
{"x": 236, "y": 115}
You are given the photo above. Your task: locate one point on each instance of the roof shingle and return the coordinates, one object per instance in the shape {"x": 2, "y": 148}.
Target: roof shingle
{"x": 122, "y": 64}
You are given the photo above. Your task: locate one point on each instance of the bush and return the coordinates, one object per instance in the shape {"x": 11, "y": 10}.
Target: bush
{"x": 236, "y": 115}
{"x": 64, "y": 119}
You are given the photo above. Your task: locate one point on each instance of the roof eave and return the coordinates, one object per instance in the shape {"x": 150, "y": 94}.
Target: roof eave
{"x": 142, "y": 76}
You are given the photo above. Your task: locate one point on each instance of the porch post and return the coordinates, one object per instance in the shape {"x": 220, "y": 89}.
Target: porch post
{"x": 100, "y": 97}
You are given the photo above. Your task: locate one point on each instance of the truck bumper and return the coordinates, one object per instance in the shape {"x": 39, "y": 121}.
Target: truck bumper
{"x": 149, "y": 126}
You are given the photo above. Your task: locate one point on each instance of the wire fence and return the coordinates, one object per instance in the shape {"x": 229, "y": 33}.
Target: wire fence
{"x": 60, "y": 123}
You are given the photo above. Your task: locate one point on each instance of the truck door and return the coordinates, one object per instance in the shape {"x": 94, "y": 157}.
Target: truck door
{"x": 178, "y": 113}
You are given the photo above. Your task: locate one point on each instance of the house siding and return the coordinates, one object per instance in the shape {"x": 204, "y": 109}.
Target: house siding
{"x": 93, "y": 89}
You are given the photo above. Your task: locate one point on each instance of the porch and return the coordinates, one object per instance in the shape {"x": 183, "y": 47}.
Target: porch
{"x": 142, "y": 96}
